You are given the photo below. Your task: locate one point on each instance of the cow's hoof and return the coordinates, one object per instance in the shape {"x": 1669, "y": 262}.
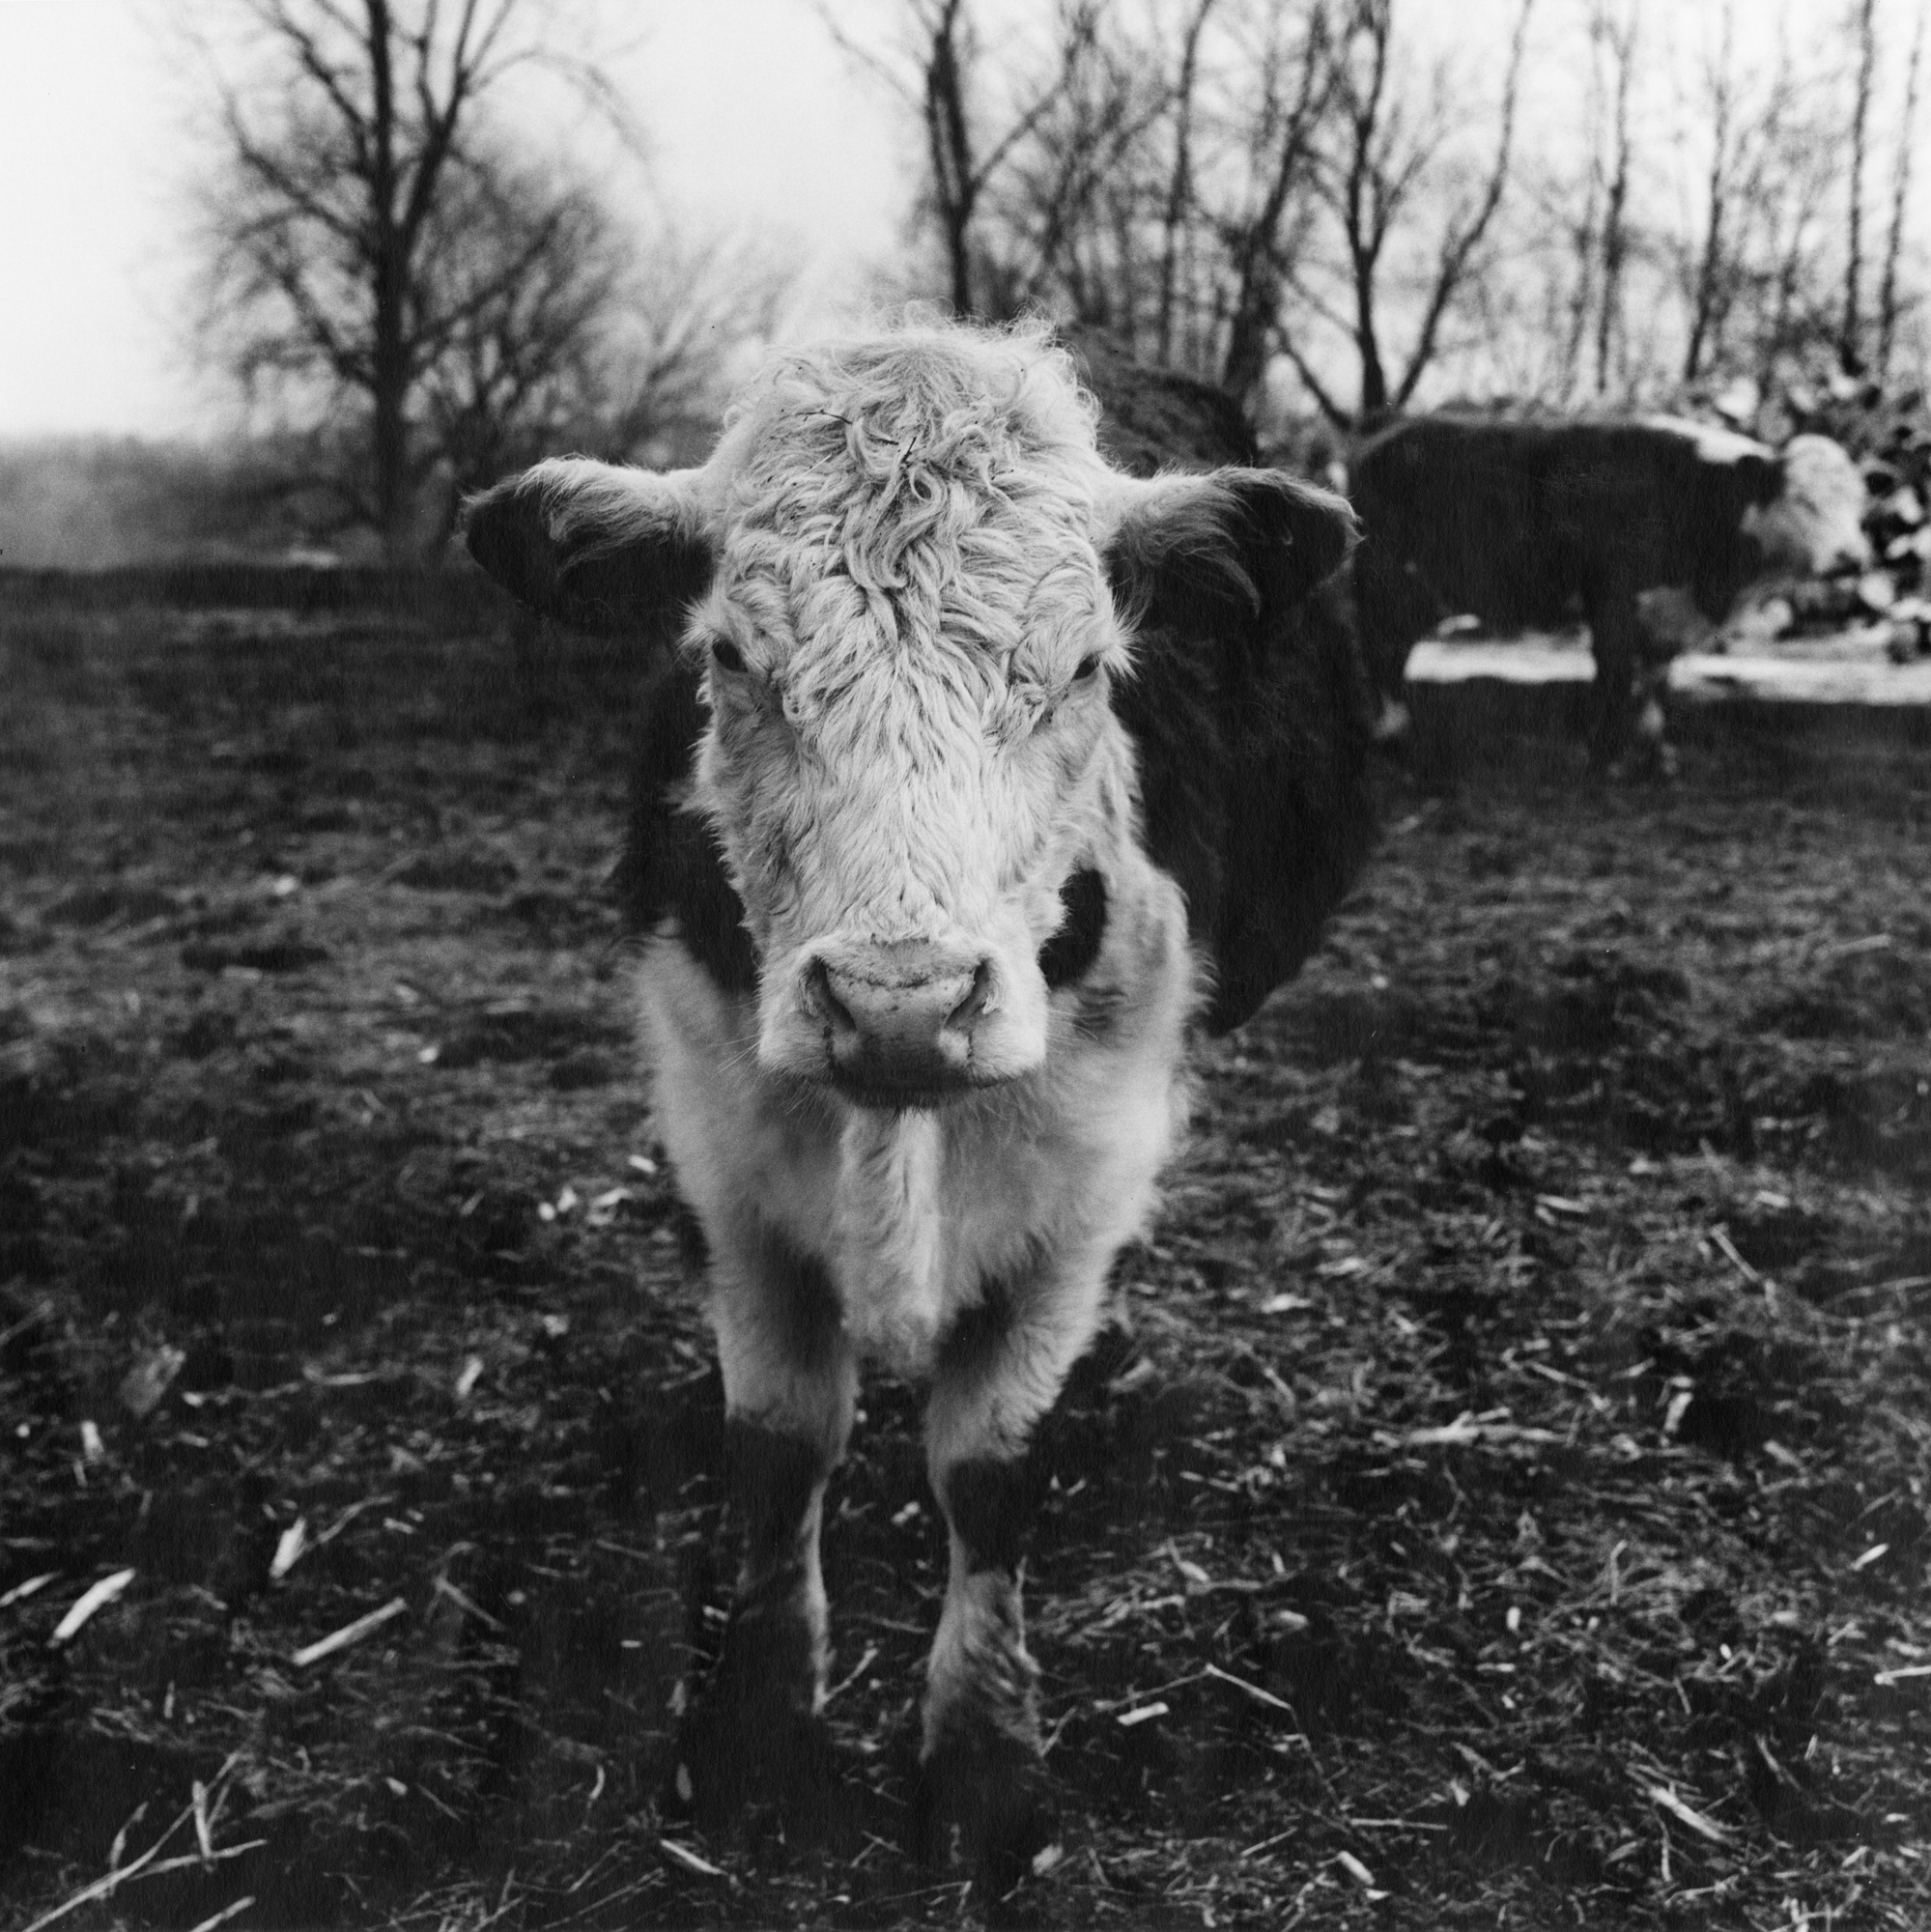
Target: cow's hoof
{"x": 985, "y": 1804}
{"x": 1393, "y": 724}
{"x": 1642, "y": 764}
{"x": 731, "y": 1760}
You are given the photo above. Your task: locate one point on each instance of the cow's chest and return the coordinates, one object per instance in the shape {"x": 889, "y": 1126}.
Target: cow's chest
{"x": 917, "y": 1216}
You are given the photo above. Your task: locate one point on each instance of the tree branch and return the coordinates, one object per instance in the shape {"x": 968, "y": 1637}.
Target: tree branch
{"x": 1334, "y": 411}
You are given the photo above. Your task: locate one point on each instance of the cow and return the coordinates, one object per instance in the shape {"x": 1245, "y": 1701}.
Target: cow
{"x": 977, "y": 779}
{"x": 1513, "y": 522}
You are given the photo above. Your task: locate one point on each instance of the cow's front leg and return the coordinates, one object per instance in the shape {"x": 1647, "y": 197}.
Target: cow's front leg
{"x": 790, "y": 1383}
{"x": 980, "y": 1768}
{"x": 1616, "y": 643}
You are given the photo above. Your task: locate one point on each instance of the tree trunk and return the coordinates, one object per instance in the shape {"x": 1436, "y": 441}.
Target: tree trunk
{"x": 1257, "y": 302}
{"x": 1900, "y": 194}
{"x": 388, "y": 387}
{"x": 1608, "y": 316}
{"x": 1849, "y": 333}
{"x": 953, "y": 185}
{"x": 390, "y": 397}
{"x": 1180, "y": 185}
{"x": 1710, "y": 269}
{"x": 1373, "y": 377}
{"x": 1255, "y": 307}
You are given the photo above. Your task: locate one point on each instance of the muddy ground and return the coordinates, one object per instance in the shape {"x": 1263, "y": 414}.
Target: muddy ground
{"x": 1500, "y": 1500}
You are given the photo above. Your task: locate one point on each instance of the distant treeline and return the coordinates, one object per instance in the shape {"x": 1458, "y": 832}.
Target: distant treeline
{"x": 455, "y": 594}
{"x": 94, "y": 502}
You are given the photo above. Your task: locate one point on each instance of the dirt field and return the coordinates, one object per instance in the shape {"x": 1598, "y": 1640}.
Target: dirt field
{"x": 1501, "y": 1500}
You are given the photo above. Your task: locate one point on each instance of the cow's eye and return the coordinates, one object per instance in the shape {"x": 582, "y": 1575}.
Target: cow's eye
{"x": 726, "y": 654}
{"x": 1086, "y": 668}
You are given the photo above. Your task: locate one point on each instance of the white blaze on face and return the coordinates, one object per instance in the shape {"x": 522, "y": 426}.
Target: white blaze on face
{"x": 1816, "y": 523}
{"x": 911, "y": 744}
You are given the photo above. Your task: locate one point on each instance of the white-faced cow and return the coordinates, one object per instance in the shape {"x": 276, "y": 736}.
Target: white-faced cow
{"x": 1513, "y": 522}
{"x": 980, "y": 774}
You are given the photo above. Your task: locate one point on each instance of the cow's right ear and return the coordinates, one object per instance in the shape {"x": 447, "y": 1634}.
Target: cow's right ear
{"x": 602, "y": 547}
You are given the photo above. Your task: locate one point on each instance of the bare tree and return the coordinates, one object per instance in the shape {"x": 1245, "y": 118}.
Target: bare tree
{"x": 1231, "y": 185}
{"x": 975, "y": 115}
{"x": 1298, "y": 86}
{"x": 362, "y": 227}
{"x": 1887, "y": 300}
{"x": 1162, "y": 194}
{"x": 1384, "y": 154}
{"x": 692, "y": 311}
{"x": 1065, "y": 225}
{"x": 1781, "y": 279}
{"x": 1763, "y": 288}
{"x": 525, "y": 270}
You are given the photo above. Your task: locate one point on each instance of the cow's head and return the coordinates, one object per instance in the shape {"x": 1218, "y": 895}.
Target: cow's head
{"x": 1813, "y": 520}
{"x": 910, "y": 580}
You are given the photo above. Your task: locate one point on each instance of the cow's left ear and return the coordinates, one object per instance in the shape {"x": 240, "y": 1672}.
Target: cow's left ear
{"x": 605, "y": 549}
{"x": 1258, "y": 537}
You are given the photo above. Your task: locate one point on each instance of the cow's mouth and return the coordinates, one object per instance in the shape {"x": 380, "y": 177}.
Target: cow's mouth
{"x": 902, "y": 1096}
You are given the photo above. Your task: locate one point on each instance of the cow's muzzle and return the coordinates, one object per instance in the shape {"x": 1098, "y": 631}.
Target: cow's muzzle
{"x": 908, "y": 1025}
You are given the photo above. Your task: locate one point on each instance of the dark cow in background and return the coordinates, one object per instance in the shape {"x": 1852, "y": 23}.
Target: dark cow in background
{"x": 980, "y": 777}
{"x": 1515, "y": 522}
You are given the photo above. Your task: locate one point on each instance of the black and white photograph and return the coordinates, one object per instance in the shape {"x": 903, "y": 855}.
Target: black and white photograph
{"x": 965, "y": 962}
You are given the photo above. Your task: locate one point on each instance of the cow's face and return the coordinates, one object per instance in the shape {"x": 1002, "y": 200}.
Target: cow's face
{"x": 904, "y": 573}
{"x": 1814, "y": 523}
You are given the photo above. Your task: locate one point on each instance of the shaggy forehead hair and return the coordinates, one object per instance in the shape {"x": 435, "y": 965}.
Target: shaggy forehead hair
{"x": 894, "y": 489}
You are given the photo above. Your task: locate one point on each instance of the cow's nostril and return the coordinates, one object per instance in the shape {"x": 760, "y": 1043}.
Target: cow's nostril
{"x": 964, "y": 1015}
{"x": 822, "y": 1003}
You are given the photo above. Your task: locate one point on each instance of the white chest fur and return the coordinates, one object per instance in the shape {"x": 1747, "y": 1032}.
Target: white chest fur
{"x": 888, "y": 1233}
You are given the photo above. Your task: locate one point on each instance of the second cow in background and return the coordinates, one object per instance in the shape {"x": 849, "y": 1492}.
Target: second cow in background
{"x": 1515, "y": 523}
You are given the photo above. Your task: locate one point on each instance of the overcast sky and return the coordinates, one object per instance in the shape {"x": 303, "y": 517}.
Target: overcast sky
{"x": 757, "y": 120}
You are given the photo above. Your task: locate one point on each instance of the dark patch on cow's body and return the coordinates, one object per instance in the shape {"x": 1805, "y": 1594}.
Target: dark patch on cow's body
{"x": 1517, "y": 522}
{"x": 672, "y": 867}
{"x": 990, "y": 1506}
{"x": 980, "y": 1329}
{"x": 1253, "y": 773}
{"x": 1069, "y": 955}
{"x": 770, "y": 1479}
{"x": 801, "y": 1301}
